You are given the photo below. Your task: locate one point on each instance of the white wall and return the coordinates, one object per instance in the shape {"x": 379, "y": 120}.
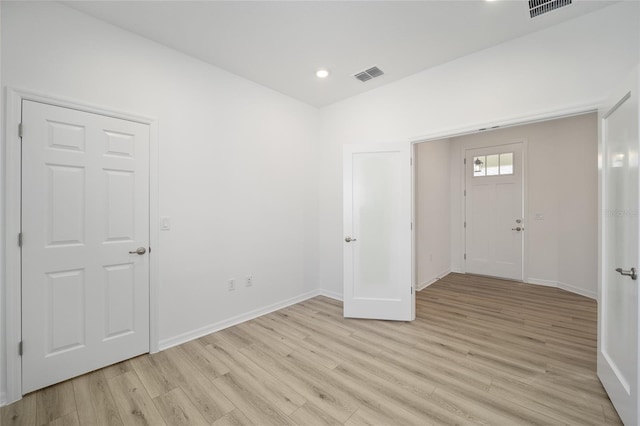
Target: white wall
{"x": 238, "y": 169}
{"x": 432, "y": 211}
{"x": 567, "y": 67}
{"x": 561, "y": 185}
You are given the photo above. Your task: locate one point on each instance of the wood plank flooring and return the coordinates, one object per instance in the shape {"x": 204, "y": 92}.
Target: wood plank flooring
{"x": 481, "y": 351}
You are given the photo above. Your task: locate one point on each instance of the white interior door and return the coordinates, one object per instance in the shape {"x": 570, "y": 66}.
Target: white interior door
{"x": 377, "y": 232}
{"x": 85, "y": 208}
{"x": 494, "y": 211}
{"x": 618, "y": 294}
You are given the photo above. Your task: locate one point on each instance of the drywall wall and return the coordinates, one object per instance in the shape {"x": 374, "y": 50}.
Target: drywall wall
{"x": 561, "y": 187}
{"x": 237, "y": 170}
{"x": 432, "y": 211}
{"x": 571, "y": 66}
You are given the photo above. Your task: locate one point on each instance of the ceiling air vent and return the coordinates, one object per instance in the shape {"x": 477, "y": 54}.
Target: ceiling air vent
{"x": 369, "y": 74}
{"x": 540, "y": 7}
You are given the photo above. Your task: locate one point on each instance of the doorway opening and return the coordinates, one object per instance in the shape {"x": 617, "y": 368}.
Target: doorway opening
{"x": 559, "y": 202}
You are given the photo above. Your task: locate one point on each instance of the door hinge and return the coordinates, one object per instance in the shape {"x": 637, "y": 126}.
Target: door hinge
{"x": 149, "y": 249}
{"x": 411, "y": 289}
{"x": 411, "y": 161}
{"x": 20, "y": 130}
{"x": 20, "y": 239}
{"x": 465, "y": 161}
{"x": 465, "y": 192}
{"x": 465, "y": 256}
{"x": 412, "y": 226}
{"x": 465, "y": 224}
{"x": 20, "y": 348}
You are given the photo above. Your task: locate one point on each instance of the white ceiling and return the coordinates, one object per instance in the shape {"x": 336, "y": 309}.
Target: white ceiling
{"x": 280, "y": 44}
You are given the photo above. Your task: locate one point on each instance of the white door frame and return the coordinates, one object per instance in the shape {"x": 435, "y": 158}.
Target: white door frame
{"x": 12, "y": 203}
{"x": 525, "y": 198}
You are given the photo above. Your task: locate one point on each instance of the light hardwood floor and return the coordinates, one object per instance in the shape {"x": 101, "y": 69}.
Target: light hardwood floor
{"x": 481, "y": 351}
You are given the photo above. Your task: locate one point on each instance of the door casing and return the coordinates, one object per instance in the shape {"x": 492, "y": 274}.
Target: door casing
{"x": 12, "y": 210}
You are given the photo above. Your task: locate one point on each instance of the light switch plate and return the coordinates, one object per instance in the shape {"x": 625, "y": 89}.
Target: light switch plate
{"x": 165, "y": 223}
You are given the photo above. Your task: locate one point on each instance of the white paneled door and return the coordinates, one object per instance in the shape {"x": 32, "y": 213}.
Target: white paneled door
{"x": 377, "y": 232}
{"x": 85, "y": 242}
{"x": 494, "y": 211}
{"x": 618, "y": 352}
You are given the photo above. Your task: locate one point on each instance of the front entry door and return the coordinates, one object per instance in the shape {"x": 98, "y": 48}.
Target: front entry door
{"x": 85, "y": 242}
{"x": 618, "y": 354}
{"x": 494, "y": 211}
{"x": 377, "y": 232}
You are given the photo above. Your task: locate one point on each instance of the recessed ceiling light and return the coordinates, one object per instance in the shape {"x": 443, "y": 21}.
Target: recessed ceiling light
{"x": 322, "y": 73}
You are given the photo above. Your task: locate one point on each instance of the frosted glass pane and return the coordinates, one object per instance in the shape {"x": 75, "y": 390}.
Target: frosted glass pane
{"x": 479, "y": 166}
{"x": 506, "y": 163}
{"x": 492, "y": 164}
{"x": 376, "y": 207}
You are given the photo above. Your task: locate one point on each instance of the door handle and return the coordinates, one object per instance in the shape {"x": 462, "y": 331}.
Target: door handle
{"x": 517, "y": 229}
{"x": 349, "y": 239}
{"x": 140, "y": 251}
{"x": 630, "y": 273}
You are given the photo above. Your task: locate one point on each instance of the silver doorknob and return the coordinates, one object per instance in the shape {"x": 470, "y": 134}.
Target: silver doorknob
{"x": 630, "y": 273}
{"x": 517, "y": 229}
{"x": 139, "y": 250}
{"x": 349, "y": 239}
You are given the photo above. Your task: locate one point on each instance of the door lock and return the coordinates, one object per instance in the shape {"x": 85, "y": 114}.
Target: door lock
{"x": 139, "y": 251}
{"x": 630, "y": 273}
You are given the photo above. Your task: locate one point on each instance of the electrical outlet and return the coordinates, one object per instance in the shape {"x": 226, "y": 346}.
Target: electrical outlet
{"x": 249, "y": 281}
{"x": 232, "y": 285}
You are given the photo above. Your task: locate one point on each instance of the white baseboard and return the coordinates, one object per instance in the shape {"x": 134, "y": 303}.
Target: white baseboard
{"x": 581, "y": 291}
{"x": 331, "y": 295}
{"x": 456, "y": 270}
{"x": 564, "y": 286}
{"x": 427, "y": 283}
{"x": 221, "y": 325}
{"x": 545, "y": 283}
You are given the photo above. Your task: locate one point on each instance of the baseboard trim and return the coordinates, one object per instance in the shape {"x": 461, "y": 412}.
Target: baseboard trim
{"x": 221, "y": 325}
{"x": 564, "y": 286}
{"x": 331, "y": 295}
{"x": 545, "y": 283}
{"x": 577, "y": 290}
{"x": 439, "y": 276}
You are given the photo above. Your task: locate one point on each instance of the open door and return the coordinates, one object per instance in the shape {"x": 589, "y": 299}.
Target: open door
{"x": 377, "y": 232}
{"x": 619, "y": 255}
